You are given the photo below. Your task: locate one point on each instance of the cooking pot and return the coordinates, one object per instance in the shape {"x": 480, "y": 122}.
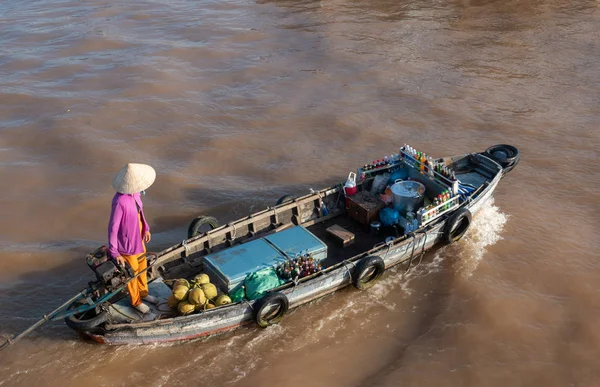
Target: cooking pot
{"x": 407, "y": 196}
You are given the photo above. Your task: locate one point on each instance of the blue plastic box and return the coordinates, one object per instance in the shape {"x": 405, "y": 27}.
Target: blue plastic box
{"x": 298, "y": 240}
{"x": 228, "y": 268}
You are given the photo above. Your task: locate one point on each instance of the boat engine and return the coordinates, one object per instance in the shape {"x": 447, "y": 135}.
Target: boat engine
{"x": 109, "y": 274}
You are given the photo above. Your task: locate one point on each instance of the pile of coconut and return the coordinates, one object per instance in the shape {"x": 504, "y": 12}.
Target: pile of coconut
{"x": 196, "y": 295}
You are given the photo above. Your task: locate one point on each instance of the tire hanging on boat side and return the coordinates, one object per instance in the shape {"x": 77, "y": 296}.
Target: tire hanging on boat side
{"x": 367, "y": 272}
{"x": 284, "y": 199}
{"x": 194, "y": 228}
{"x": 271, "y": 300}
{"x": 457, "y": 226}
{"x": 80, "y": 323}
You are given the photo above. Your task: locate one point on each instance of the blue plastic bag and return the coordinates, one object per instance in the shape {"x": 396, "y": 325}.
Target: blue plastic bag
{"x": 389, "y": 216}
{"x": 400, "y": 174}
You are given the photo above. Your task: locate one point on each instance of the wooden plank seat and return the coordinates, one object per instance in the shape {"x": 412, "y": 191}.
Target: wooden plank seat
{"x": 343, "y": 236}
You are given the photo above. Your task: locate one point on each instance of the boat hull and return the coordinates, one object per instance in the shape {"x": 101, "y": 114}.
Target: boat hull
{"x": 214, "y": 321}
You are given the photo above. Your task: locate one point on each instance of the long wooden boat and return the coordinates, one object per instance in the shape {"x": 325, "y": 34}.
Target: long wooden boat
{"x": 105, "y": 317}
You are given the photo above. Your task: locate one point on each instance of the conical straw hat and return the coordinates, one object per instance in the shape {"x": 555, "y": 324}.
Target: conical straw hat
{"x": 134, "y": 178}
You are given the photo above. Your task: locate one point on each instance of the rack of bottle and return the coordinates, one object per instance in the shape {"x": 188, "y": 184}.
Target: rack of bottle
{"x": 431, "y": 168}
{"x": 432, "y": 212}
{"x": 386, "y": 163}
{"x": 445, "y": 176}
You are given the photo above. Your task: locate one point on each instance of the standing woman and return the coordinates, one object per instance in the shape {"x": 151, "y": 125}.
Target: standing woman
{"x": 128, "y": 230}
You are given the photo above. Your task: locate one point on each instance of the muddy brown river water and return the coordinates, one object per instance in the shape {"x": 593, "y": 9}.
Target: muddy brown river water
{"x": 236, "y": 103}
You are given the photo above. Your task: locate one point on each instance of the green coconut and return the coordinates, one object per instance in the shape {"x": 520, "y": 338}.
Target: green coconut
{"x": 196, "y": 296}
{"x": 223, "y": 299}
{"x": 201, "y": 279}
{"x": 210, "y": 291}
{"x": 186, "y": 308}
{"x": 172, "y": 302}
{"x": 180, "y": 292}
{"x": 209, "y": 306}
{"x": 182, "y": 281}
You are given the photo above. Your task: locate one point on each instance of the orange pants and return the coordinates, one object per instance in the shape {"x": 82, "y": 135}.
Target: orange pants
{"x": 138, "y": 288}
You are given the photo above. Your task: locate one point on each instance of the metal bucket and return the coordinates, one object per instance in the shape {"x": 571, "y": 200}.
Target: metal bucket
{"x": 407, "y": 196}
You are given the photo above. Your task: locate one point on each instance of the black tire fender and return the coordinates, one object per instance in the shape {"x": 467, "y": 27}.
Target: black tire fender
{"x": 268, "y": 301}
{"x": 505, "y": 155}
{"x": 194, "y": 228}
{"x": 284, "y": 199}
{"x": 368, "y": 271}
{"x": 457, "y": 226}
{"x": 81, "y": 324}
{"x": 510, "y": 167}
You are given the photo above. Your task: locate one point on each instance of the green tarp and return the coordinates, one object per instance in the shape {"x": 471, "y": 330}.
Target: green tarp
{"x": 256, "y": 284}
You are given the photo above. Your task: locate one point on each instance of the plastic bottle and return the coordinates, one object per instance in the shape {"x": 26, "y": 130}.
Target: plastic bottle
{"x": 408, "y": 227}
{"x": 324, "y": 210}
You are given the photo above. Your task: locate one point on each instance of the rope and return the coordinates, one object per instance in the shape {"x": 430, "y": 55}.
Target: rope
{"x": 422, "y": 253}
{"x": 234, "y": 233}
{"x": 248, "y": 303}
{"x": 389, "y": 247}
{"x": 123, "y": 314}
{"x": 346, "y": 267}
{"x": 185, "y": 246}
{"x": 411, "y": 253}
{"x": 295, "y": 281}
{"x": 162, "y": 310}
{"x": 422, "y": 250}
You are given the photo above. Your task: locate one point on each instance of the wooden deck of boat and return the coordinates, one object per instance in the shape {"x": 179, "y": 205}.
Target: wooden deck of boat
{"x": 469, "y": 169}
{"x": 363, "y": 239}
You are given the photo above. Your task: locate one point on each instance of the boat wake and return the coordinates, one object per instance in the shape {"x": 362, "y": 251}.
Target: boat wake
{"x": 330, "y": 319}
{"x": 485, "y": 231}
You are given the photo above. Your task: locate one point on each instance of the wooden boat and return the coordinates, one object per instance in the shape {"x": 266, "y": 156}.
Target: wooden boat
{"x": 105, "y": 317}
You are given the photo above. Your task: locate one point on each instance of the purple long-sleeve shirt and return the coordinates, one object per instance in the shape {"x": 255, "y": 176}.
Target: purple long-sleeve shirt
{"x": 124, "y": 236}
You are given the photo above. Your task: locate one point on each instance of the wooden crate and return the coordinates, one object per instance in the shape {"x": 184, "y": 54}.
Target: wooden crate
{"x": 364, "y": 207}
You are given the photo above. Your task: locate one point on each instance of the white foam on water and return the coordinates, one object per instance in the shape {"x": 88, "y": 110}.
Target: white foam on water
{"x": 246, "y": 346}
{"x": 397, "y": 276}
{"x": 335, "y": 320}
{"x": 486, "y": 230}
{"x": 267, "y": 333}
